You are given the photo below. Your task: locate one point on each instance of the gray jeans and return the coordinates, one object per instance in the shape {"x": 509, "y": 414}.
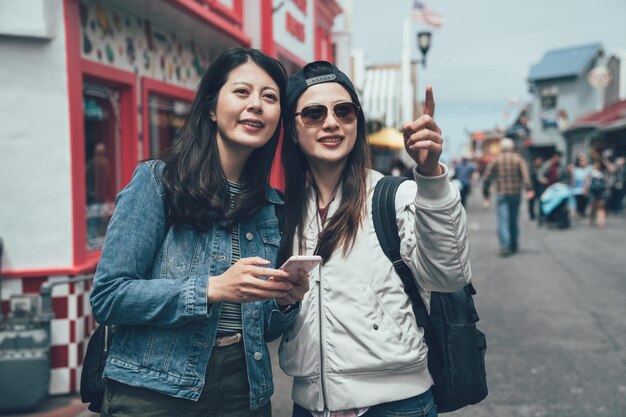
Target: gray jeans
{"x": 225, "y": 393}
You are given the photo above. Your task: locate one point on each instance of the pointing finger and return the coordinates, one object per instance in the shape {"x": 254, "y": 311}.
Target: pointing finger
{"x": 429, "y": 104}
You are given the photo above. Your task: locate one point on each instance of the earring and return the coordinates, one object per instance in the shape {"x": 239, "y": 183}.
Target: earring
{"x": 212, "y": 117}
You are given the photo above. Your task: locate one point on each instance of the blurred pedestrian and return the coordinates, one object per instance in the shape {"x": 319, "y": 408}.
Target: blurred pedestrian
{"x": 357, "y": 369}
{"x": 185, "y": 285}
{"x": 537, "y": 187}
{"x": 618, "y": 186}
{"x": 580, "y": 175}
{"x": 550, "y": 173}
{"x": 511, "y": 174}
{"x": 464, "y": 171}
{"x": 597, "y": 185}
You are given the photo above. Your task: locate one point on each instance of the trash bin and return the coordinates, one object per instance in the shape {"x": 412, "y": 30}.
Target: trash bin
{"x": 25, "y": 347}
{"x": 24, "y": 354}
{"x": 24, "y": 363}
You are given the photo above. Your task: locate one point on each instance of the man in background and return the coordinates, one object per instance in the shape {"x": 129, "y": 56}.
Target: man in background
{"x": 510, "y": 172}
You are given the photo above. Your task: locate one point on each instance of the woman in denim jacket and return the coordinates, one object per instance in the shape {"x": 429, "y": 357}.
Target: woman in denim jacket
{"x": 183, "y": 272}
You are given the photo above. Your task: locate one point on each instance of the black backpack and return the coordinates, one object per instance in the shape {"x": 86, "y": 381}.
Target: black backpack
{"x": 91, "y": 381}
{"x": 456, "y": 348}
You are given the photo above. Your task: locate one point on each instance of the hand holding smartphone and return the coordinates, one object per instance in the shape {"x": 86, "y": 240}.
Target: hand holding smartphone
{"x": 300, "y": 263}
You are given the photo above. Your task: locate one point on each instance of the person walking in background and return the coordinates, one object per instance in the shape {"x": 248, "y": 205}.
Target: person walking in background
{"x": 550, "y": 173}
{"x": 579, "y": 179}
{"x": 618, "y": 186}
{"x": 183, "y": 269}
{"x": 597, "y": 185}
{"x": 537, "y": 188}
{"x": 355, "y": 348}
{"x": 464, "y": 171}
{"x": 511, "y": 174}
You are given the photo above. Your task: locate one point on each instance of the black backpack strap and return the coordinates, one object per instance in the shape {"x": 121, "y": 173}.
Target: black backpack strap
{"x": 384, "y": 217}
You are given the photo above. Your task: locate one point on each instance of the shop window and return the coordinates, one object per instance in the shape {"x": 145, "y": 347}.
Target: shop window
{"x": 549, "y": 113}
{"x": 101, "y": 107}
{"x": 166, "y": 116}
{"x": 548, "y": 101}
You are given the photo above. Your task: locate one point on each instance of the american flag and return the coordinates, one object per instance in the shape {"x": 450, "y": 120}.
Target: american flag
{"x": 422, "y": 13}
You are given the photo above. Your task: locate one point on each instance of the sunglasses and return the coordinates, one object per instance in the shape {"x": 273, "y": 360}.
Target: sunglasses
{"x": 315, "y": 114}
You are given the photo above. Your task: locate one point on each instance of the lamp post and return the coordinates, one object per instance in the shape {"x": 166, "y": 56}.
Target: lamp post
{"x": 423, "y": 42}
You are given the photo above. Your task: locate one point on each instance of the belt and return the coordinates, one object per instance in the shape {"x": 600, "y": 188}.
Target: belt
{"x": 228, "y": 340}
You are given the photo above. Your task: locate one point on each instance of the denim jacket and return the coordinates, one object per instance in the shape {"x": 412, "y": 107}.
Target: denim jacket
{"x": 152, "y": 283}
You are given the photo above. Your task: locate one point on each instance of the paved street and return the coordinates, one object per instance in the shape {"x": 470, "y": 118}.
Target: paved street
{"x": 555, "y": 319}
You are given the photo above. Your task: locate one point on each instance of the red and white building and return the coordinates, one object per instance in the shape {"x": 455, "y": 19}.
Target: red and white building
{"x": 91, "y": 87}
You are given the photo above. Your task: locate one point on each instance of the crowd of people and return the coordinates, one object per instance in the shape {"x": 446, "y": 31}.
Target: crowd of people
{"x": 587, "y": 188}
{"x": 596, "y": 183}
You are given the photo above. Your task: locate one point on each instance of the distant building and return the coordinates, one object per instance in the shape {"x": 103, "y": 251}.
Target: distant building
{"x": 562, "y": 93}
{"x": 616, "y": 71}
{"x": 604, "y": 129}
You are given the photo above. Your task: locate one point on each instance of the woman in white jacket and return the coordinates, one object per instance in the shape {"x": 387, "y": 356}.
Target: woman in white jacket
{"x": 355, "y": 348}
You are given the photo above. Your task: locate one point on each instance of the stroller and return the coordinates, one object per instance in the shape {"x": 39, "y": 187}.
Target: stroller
{"x": 555, "y": 203}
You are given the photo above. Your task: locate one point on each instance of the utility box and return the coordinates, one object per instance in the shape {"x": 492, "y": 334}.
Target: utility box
{"x": 24, "y": 357}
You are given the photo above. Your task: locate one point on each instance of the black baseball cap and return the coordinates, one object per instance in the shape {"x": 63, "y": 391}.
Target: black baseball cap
{"x": 298, "y": 83}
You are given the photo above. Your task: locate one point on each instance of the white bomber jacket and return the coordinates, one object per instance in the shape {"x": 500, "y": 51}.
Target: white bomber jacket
{"x": 355, "y": 342}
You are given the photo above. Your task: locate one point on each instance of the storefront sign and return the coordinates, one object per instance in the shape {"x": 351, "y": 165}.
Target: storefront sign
{"x": 132, "y": 43}
{"x": 293, "y": 27}
{"x": 600, "y": 77}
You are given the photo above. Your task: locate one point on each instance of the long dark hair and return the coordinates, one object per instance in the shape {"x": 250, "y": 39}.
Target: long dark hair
{"x": 196, "y": 191}
{"x": 343, "y": 225}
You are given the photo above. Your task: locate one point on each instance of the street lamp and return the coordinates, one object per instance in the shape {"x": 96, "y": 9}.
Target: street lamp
{"x": 423, "y": 42}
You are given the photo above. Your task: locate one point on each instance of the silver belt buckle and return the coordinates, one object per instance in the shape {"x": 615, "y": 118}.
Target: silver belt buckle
{"x": 228, "y": 340}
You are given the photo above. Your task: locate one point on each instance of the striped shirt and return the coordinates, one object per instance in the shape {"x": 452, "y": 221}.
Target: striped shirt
{"x": 511, "y": 174}
{"x": 230, "y": 318}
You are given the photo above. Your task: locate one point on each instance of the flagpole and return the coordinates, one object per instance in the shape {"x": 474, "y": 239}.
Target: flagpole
{"x": 407, "y": 93}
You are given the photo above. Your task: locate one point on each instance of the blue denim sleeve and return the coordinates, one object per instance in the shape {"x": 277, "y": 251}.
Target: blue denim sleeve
{"x": 276, "y": 321}
{"x": 124, "y": 291}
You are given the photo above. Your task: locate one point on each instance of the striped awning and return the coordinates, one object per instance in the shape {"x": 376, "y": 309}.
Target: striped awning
{"x": 381, "y": 95}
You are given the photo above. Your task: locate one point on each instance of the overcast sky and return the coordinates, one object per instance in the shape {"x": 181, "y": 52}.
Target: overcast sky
{"x": 479, "y": 60}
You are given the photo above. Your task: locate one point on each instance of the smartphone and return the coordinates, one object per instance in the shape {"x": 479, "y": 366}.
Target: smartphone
{"x": 300, "y": 262}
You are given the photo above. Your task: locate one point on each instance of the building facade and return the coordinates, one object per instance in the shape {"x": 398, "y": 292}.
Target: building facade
{"x": 603, "y": 130}
{"x": 561, "y": 94}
